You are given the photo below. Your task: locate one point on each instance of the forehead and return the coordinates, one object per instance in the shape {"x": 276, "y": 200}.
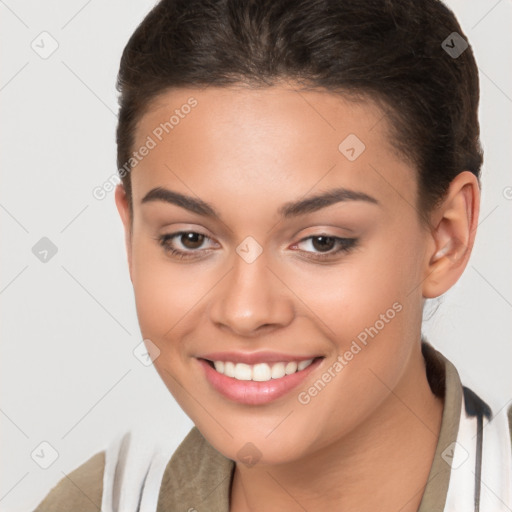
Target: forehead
{"x": 266, "y": 141}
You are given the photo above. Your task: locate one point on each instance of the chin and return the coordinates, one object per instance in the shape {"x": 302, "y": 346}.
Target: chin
{"x": 280, "y": 447}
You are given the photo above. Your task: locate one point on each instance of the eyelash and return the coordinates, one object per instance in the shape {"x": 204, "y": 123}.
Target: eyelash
{"x": 346, "y": 245}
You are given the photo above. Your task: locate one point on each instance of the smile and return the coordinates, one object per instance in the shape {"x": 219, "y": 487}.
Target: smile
{"x": 261, "y": 372}
{"x": 257, "y": 379}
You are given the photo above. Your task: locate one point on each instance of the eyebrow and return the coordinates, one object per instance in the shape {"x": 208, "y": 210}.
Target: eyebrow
{"x": 286, "y": 211}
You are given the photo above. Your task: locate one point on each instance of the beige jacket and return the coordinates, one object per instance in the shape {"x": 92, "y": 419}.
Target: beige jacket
{"x": 198, "y": 477}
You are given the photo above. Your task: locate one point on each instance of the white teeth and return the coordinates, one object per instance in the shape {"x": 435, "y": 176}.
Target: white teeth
{"x": 229, "y": 369}
{"x": 290, "y": 368}
{"x": 243, "y": 371}
{"x": 261, "y": 372}
{"x": 278, "y": 371}
{"x": 304, "y": 364}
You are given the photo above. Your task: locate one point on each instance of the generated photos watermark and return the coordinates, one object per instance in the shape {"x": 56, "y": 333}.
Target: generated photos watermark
{"x": 157, "y": 135}
{"x": 361, "y": 341}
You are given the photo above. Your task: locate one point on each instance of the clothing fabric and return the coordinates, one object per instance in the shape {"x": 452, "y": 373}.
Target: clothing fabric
{"x": 471, "y": 470}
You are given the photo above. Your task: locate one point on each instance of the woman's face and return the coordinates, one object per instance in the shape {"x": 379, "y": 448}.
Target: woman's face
{"x": 265, "y": 282}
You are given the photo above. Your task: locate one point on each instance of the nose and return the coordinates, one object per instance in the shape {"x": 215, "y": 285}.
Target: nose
{"x": 251, "y": 299}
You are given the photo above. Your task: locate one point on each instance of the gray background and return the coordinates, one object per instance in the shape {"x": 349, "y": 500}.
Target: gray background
{"x": 69, "y": 325}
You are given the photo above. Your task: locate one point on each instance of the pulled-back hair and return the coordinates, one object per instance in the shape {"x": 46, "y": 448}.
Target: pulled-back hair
{"x": 394, "y": 52}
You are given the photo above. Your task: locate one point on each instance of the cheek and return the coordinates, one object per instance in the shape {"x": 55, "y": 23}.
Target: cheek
{"x": 169, "y": 296}
{"x": 347, "y": 298}
{"x": 163, "y": 297}
{"x": 158, "y": 292}
{"x": 366, "y": 309}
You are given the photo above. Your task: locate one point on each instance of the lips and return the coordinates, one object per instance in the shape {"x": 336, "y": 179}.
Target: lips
{"x": 256, "y": 378}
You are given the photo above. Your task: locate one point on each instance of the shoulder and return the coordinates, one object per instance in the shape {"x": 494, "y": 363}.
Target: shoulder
{"x": 130, "y": 471}
{"x": 79, "y": 490}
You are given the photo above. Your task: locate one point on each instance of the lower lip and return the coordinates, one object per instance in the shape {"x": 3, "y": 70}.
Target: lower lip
{"x": 255, "y": 393}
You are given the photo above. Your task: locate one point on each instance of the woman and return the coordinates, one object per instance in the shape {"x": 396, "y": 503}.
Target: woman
{"x": 297, "y": 179}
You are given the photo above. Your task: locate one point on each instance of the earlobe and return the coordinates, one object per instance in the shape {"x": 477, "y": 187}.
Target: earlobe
{"x": 123, "y": 208}
{"x": 453, "y": 234}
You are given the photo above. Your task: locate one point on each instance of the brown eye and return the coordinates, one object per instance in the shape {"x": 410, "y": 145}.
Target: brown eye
{"x": 192, "y": 240}
{"x": 324, "y": 243}
{"x": 324, "y": 246}
{"x": 183, "y": 244}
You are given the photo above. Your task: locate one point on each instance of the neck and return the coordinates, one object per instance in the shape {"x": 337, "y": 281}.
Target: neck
{"x": 382, "y": 465}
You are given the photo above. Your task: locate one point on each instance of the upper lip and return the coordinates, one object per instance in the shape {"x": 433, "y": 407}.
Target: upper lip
{"x": 255, "y": 357}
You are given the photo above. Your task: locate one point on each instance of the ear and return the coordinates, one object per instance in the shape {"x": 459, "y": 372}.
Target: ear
{"x": 453, "y": 230}
{"x": 123, "y": 207}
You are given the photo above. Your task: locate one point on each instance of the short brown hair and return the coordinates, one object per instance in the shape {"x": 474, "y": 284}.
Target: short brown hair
{"x": 392, "y": 51}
